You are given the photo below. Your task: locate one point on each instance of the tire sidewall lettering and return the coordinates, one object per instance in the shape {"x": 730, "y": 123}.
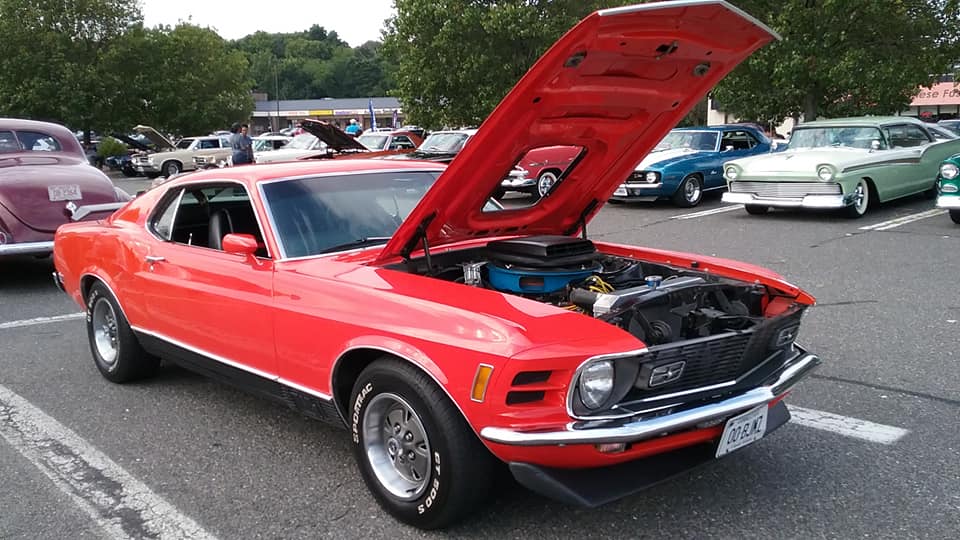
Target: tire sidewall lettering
{"x": 434, "y": 486}
{"x": 357, "y": 408}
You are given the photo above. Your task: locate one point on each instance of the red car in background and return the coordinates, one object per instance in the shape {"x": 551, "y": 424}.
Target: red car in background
{"x": 448, "y": 334}
{"x": 46, "y": 181}
{"x": 538, "y": 170}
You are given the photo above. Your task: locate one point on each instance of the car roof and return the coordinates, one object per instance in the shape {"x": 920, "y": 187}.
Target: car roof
{"x": 315, "y": 167}
{"x": 863, "y": 121}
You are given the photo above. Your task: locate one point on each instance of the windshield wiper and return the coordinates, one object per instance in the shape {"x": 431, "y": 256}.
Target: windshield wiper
{"x": 359, "y": 242}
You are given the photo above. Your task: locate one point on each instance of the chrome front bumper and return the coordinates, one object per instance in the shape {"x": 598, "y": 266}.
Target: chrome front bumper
{"x": 26, "y": 248}
{"x": 948, "y": 201}
{"x": 632, "y": 430}
{"x": 807, "y": 201}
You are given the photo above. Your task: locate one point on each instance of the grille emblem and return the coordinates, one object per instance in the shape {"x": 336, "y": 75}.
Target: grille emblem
{"x": 787, "y": 336}
{"x": 664, "y": 374}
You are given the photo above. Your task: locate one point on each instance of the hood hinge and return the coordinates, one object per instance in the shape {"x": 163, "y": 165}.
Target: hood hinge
{"x": 581, "y": 222}
{"x": 420, "y": 234}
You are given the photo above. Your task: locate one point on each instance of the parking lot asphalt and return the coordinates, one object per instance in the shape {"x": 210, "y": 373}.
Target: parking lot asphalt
{"x": 886, "y": 326}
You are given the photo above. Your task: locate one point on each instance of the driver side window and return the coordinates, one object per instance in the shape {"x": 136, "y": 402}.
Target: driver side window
{"x": 202, "y": 215}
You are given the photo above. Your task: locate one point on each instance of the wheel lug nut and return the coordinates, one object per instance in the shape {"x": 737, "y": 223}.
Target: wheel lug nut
{"x": 408, "y": 437}
{"x": 410, "y": 455}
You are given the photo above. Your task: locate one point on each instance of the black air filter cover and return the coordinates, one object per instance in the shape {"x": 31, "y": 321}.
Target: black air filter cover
{"x": 543, "y": 252}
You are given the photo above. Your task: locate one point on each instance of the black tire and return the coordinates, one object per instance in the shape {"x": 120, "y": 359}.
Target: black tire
{"x": 171, "y": 168}
{"x": 756, "y": 209}
{"x": 459, "y": 469}
{"x": 859, "y": 207}
{"x": 690, "y": 191}
{"x": 128, "y": 172}
{"x": 107, "y": 328}
{"x": 955, "y": 216}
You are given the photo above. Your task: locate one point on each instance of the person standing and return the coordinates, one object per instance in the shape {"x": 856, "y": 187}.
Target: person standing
{"x": 354, "y": 128}
{"x": 242, "y": 145}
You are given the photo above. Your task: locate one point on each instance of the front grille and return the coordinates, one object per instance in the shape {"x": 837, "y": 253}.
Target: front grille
{"x": 638, "y": 177}
{"x": 785, "y": 189}
{"x": 716, "y": 359}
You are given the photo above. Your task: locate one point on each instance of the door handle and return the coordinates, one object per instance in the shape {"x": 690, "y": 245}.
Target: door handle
{"x": 154, "y": 259}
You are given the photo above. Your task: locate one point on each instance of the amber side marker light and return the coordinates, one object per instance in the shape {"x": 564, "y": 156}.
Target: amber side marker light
{"x": 480, "y": 381}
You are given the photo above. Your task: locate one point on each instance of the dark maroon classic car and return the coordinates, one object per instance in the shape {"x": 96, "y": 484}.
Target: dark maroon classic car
{"x": 46, "y": 181}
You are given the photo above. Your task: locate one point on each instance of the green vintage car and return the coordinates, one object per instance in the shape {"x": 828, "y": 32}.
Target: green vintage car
{"x": 948, "y": 186}
{"x": 845, "y": 163}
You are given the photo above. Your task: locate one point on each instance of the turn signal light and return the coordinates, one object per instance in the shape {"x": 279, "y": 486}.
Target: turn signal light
{"x": 480, "y": 381}
{"x": 611, "y": 448}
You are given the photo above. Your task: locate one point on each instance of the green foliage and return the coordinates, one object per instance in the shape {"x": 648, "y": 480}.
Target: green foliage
{"x": 111, "y": 147}
{"x": 842, "y": 57}
{"x": 313, "y": 64}
{"x": 456, "y": 59}
{"x": 91, "y": 65}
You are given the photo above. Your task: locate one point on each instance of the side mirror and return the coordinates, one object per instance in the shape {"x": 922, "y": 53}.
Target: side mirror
{"x": 774, "y": 145}
{"x": 874, "y": 144}
{"x": 727, "y": 148}
{"x": 239, "y": 244}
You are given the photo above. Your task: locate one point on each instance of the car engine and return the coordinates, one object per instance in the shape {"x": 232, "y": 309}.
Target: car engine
{"x": 658, "y": 304}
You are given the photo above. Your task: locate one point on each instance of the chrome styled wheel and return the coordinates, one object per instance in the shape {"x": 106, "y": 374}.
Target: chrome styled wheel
{"x": 397, "y": 446}
{"x": 690, "y": 192}
{"x": 545, "y": 182}
{"x": 861, "y": 200}
{"x": 105, "y": 336}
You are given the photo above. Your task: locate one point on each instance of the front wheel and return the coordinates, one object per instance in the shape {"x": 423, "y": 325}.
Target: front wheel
{"x": 690, "y": 192}
{"x": 171, "y": 168}
{"x": 416, "y": 453}
{"x": 116, "y": 351}
{"x": 756, "y": 209}
{"x": 955, "y": 216}
{"x": 861, "y": 201}
{"x": 545, "y": 182}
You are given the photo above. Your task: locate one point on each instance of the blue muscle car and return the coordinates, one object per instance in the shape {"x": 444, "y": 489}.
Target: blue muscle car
{"x": 689, "y": 161}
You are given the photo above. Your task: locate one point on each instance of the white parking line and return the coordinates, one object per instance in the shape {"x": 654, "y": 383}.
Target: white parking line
{"x": 893, "y": 223}
{"x": 844, "y": 425}
{"x": 41, "y": 320}
{"x": 710, "y": 212}
{"x": 121, "y": 505}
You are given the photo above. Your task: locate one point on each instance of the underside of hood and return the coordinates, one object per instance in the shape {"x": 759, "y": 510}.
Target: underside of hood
{"x": 161, "y": 142}
{"x": 332, "y": 136}
{"x": 614, "y": 85}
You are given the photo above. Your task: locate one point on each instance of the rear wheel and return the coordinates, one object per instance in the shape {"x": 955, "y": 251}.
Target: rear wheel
{"x": 416, "y": 453}
{"x": 955, "y": 216}
{"x": 755, "y": 209}
{"x": 690, "y": 192}
{"x": 116, "y": 351}
{"x": 861, "y": 200}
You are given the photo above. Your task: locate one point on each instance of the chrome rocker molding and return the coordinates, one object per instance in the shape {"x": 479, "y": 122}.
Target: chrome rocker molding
{"x": 807, "y": 201}
{"x": 27, "y": 248}
{"x": 950, "y": 201}
{"x": 635, "y": 430}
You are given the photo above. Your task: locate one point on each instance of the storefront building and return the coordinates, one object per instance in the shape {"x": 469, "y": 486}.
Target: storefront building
{"x": 939, "y": 102}
{"x": 277, "y": 115}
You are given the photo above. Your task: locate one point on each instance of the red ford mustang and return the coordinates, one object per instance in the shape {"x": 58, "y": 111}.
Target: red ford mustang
{"x": 447, "y": 333}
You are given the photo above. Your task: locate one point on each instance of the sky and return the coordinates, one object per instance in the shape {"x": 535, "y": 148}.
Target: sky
{"x": 355, "y": 21}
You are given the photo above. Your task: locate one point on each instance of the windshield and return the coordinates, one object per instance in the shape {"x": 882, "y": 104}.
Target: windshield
{"x": 696, "y": 140}
{"x": 443, "y": 143}
{"x": 836, "y": 136}
{"x": 373, "y": 142}
{"x": 312, "y": 215}
{"x": 304, "y": 141}
{"x": 265, "y": 145}
{"x": 184, "y": 144}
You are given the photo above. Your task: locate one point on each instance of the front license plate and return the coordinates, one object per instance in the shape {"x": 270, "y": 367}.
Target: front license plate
{"x": 620, "y": 192}
{"x": 743, "y": 429}
{"x": 64, "y": 192}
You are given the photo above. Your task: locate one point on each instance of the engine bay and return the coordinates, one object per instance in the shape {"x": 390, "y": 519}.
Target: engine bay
{"x": 657, "y": 303}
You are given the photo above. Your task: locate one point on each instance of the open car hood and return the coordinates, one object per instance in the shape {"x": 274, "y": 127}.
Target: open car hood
{"x": 131, "y": 142}
{"x": 614, "y": 85}
{"x": 161, "y": 142}
{"x": 334, "y": 137}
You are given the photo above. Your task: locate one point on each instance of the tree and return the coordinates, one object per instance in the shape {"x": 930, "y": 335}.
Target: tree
{"x": 454, "y": 60}
{"x": 842, "y": 57}
{"x": 52, "y": 65}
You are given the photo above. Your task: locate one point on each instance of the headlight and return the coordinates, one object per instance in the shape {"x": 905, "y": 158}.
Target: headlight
{"x": 731, "y": 173}
{"x": 825, "y": 173}
{"x": 651, "y": 177}
{"x": 948, "y": 171}
{"x": 596, "y": 383}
